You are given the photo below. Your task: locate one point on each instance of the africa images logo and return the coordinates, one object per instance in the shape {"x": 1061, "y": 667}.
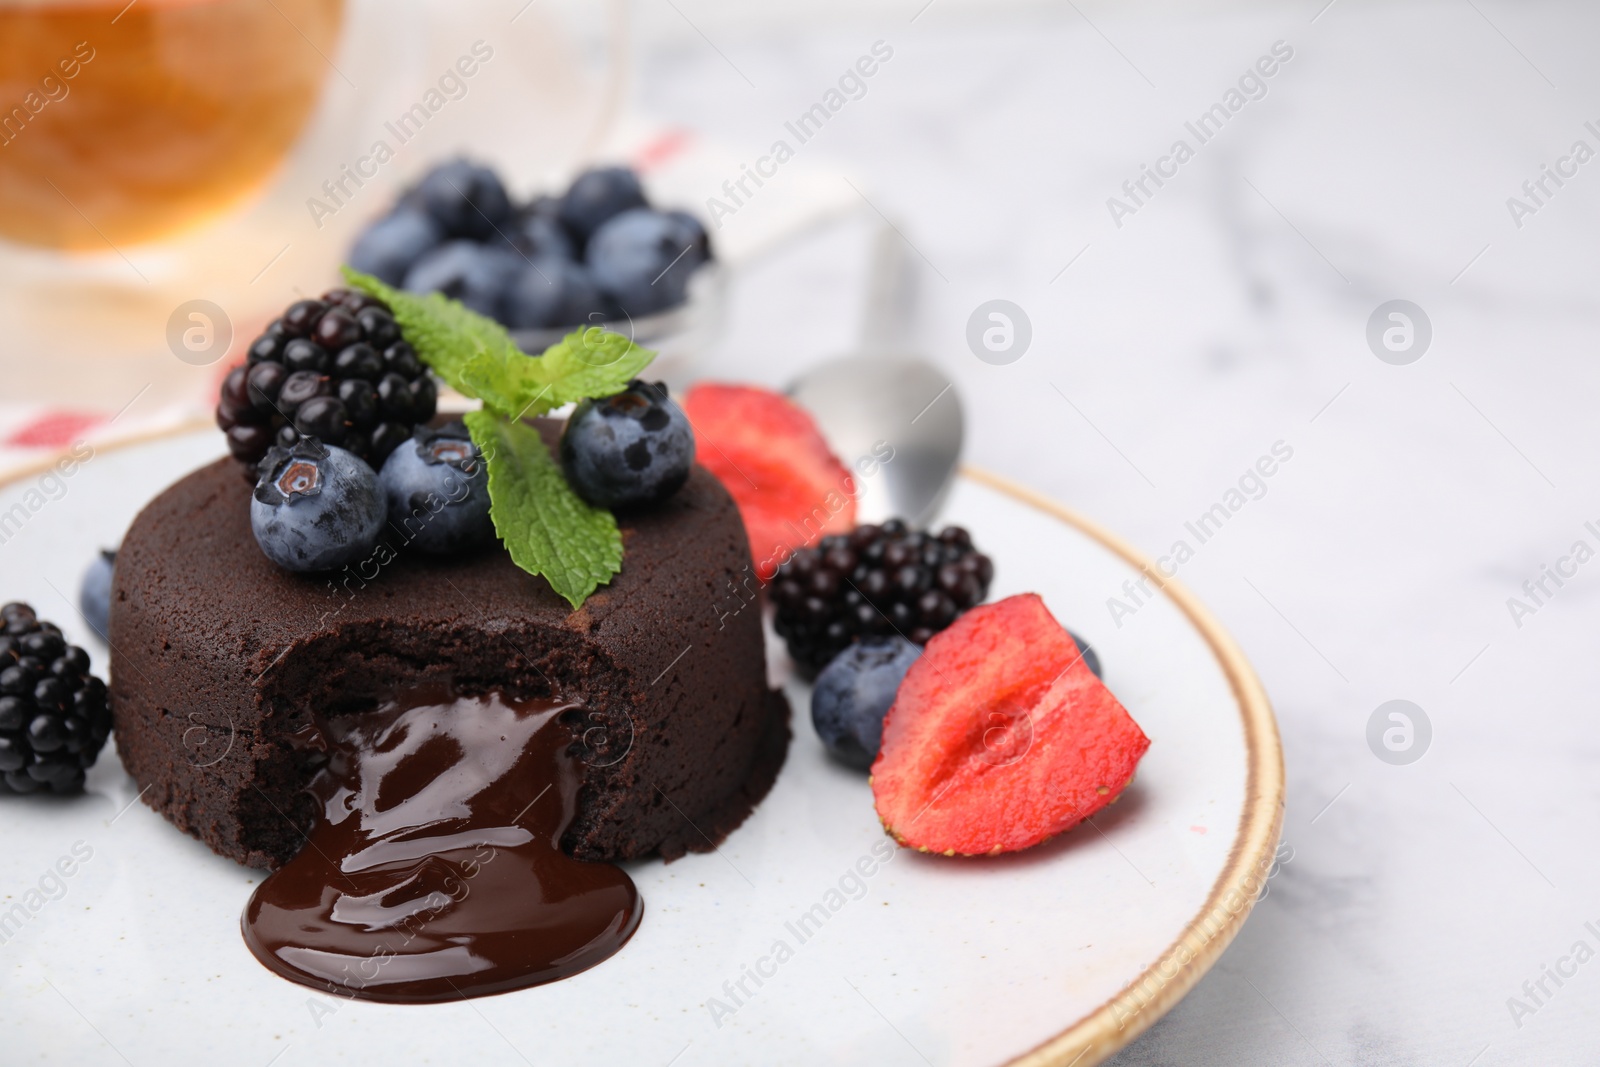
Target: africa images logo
{"x": 206, "y": 744}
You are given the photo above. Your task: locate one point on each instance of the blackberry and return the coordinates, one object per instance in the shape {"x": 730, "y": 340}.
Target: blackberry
{"x": 54, "y": 718}
{"x": 876, "y": 581}
{"x": 337, "y": 369}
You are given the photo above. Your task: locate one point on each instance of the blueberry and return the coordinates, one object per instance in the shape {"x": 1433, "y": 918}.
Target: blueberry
{"x": 853, "y": 694}
{"x": 643, "y": 259}
{"x": 476, "y": 275}
{"x": 387, "y": 248}
{"x": 553, "y": 292}
{"x": 632, "y": 448}
{"x": 437, "y": 490}
{"x": 94, "y": 595}
{"x": 597, "y": 195}
{"x": 694, "y": 232}
{"x": 316, "y": 508}
{"x": 1090, "y": 658}
{"x": 541, "y": 236}
{"x": 466, "y": 199}
{"x": 545, "y": 206}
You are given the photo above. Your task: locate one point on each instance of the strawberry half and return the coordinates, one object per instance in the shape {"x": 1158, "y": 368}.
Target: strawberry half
{"x": 1000, "y": 737}
{"x": 791, "y": 490}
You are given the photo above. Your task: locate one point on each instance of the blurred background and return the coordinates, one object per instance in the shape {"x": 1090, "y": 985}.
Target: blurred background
{"x": 1377, "y": 251}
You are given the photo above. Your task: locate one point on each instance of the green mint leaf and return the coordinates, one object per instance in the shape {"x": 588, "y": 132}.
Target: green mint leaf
{"x": 447, "y": 336}
{"x": 499, "y": 384}
{"x": 590, "y": 362}
{"x": 547, "y": 528}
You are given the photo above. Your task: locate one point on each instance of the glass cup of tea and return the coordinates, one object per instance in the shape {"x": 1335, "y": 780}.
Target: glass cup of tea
{"x": 122, "y": 123}
{"x": 156, "y": 155}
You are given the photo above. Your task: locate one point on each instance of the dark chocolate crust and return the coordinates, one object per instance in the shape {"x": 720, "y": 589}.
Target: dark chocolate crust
{"x": 221, "y": 662}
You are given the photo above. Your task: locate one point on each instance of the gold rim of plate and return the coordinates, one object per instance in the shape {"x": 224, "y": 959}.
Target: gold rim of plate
{"x": 1115, "y": 1024}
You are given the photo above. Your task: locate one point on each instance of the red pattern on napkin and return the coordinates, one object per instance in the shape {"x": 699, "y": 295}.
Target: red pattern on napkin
{"x": 54, "y": 429}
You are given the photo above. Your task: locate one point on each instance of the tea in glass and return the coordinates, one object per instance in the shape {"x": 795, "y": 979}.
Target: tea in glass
{"x": 127, "y": 122}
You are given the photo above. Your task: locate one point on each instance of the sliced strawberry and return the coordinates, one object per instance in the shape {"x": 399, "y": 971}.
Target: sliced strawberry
{"x": 768, "y": 453}
{"x": 1000, "y": 736}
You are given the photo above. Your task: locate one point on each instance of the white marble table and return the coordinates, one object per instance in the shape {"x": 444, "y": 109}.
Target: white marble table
{"x": 1226, "y": 314}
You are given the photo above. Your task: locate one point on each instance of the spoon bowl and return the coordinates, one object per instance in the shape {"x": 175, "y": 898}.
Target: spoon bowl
{"x": 896, "y": 422}
{"x": 894, "y": 418}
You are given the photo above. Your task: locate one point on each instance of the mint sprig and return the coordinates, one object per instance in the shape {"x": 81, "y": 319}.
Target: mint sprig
{"x": 547, "y": 528}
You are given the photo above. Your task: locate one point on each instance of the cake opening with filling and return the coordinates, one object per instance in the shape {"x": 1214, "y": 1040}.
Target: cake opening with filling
{"x": 435, "y": 869}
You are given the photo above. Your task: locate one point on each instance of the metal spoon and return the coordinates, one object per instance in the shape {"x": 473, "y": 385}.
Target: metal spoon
{"x": 895, "y": 419}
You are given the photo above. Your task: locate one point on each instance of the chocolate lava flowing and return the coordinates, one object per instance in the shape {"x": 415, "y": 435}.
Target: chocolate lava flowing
{"x": 435, "y": 871}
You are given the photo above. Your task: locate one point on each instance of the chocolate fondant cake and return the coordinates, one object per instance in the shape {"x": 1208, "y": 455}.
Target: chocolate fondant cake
{"x": 223, "y": 665}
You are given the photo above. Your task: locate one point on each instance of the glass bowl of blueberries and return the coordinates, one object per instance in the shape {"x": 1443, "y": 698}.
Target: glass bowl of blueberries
{"x": 597, "y": 254}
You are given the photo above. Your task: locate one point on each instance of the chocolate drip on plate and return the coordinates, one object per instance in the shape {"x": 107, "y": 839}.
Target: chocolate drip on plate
{"x": 435, "y": 871}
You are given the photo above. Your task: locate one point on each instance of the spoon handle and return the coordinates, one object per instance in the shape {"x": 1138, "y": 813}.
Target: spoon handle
{"x": 891, "y": 301}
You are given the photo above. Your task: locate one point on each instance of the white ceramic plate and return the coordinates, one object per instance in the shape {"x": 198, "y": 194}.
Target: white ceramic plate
{"x": 1059, "y": 955}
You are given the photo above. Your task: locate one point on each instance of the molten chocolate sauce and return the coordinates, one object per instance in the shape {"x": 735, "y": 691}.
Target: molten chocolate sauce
{"x": 436, "y": 870}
